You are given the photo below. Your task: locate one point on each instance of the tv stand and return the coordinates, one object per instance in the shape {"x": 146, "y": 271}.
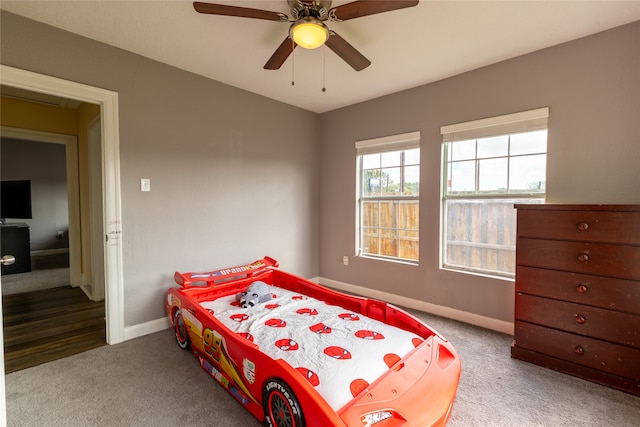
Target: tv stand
{"x": 16, "y": 241}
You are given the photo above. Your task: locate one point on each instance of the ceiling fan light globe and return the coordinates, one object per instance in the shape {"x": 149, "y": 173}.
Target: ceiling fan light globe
{"x": 309, "y": 33}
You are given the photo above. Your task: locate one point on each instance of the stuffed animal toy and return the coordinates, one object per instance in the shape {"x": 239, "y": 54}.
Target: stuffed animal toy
{"x": 256, "y": 293}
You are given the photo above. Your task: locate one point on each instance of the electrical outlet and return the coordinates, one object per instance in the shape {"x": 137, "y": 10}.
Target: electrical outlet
{"x": 345, "y": 260}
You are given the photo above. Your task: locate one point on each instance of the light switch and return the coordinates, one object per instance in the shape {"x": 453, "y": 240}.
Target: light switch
{"x": 145, "y": 184}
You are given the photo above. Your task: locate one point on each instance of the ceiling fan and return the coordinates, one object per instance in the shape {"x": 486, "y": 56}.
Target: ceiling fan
{"x": 308, "y": 29}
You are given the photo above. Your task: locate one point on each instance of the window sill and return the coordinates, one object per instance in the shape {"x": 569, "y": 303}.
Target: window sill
{"x": 505, "y": 277}
{"x": 386, "y": 259}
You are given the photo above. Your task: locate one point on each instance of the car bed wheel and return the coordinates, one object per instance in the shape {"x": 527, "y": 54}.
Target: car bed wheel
{"x": 182, "y": 336}
{"x": 281, "y": 407}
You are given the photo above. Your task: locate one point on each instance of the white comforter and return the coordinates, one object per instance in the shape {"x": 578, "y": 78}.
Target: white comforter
{"x": 338, "y": 351}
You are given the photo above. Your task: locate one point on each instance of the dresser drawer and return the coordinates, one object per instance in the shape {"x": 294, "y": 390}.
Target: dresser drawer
{"x": 590, "y": 258}
{"x": 614, "y": 326}
{"x": 592, "y": 226}
{"x": 598, "y": 291}
{"x": 603, "y": 356}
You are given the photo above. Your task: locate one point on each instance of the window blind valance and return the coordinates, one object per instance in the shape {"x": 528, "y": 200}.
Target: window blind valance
{"x": 404, "y": 141}
{"x": 525, "y": 121}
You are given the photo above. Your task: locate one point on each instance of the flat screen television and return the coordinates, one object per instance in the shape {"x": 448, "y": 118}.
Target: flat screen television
{"x": 15, "y": 200}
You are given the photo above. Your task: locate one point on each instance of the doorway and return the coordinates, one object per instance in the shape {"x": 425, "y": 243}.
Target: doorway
{"x": 108, "y": 102}
{"x": 112, "y": 222}
{"x": 53, "y": 307}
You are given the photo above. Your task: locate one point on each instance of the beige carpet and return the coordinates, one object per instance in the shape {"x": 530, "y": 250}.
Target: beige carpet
{"x": 34, "y": 280}
{"x": 149, "y": 381}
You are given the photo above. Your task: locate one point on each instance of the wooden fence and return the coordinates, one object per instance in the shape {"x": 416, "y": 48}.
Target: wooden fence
{"x": 479, "y": 235}
{"x": 390, "y": 228}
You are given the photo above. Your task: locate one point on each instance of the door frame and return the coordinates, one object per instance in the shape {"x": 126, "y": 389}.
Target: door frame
{"x": 94, "y": 149}
{"x": 112, "y": 214}
{"x": 73, "y": 188}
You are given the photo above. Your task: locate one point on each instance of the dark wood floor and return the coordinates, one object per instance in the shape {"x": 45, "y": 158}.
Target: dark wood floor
{"x": 47, "y": 325}
{"x": 45, "y": 262}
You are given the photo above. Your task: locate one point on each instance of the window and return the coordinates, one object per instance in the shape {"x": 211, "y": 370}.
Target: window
{"x": 388, "y": 197}
{"x": 488, "y": 166}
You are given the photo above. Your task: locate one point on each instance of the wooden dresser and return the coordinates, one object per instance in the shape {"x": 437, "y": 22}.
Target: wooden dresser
{"x": 577, "y": 292}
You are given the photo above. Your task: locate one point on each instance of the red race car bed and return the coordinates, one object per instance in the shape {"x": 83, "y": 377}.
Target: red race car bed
{"x": 296, "y": 353}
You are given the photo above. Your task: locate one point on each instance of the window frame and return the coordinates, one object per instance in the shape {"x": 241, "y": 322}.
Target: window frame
{"x": 510, "y": 124}
{"x": 392, "y": 143}
{"x": 477, "y": 193}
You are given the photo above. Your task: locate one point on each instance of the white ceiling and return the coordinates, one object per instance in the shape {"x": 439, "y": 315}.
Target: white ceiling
{"x": 407, "y": 48}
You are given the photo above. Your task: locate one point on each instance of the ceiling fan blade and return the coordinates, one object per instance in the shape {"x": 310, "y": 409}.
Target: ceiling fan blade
{"x": 280, "y": 55}
{"x": 347, "y": 52}
{"x": 360, "y": 8}
{"x": 242, "y": 12}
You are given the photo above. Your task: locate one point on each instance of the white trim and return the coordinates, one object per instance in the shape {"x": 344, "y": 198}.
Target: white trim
{"x": 438, "y": 310}
{"x": 73, "y": 188}
{"x": 495, "y": 121}
{"x": 499, "y": 125}
{"x": 163, "y": 323}
{"x": 96, "y": 280}
{"x": 108, "y": 101}
{"x": 389, "y": 143}
{"x": 153, "y": 326}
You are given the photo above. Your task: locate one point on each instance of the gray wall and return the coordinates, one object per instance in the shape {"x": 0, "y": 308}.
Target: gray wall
{"x": 234, "y": 176}
{"x": 592, "y": 87}
{"x": 45, "y": 165}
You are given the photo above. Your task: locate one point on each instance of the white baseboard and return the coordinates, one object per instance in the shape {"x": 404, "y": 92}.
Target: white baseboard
{"x": 438, "y": 310}
{"x": 135, "y": 331}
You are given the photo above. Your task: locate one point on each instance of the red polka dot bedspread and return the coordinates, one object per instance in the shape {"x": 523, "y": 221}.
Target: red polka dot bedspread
{"x": 337, "y": 351}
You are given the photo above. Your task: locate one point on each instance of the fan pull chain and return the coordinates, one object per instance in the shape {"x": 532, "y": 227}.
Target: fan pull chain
{"x": 293, "y": 56}
{"x": 324, "y": 67}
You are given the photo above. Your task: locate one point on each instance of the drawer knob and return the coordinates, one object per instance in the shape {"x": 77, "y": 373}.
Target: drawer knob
{"x": 578, "y": 350}
{"x": 583, "y": 257}
{"x": 583, "y": 226}
{"x": 582, "y": 288}
{"x": 580, "y": 319}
